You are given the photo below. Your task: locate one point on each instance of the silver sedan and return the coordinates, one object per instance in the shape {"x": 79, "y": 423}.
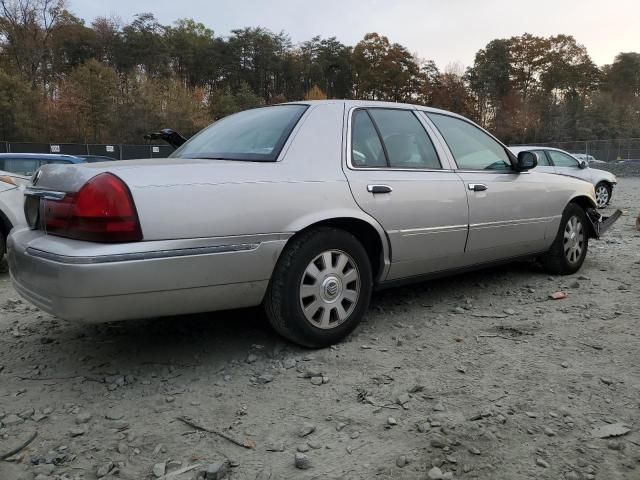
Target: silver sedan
{"x": 304, "y": 208}
{"x": 554, "y": 160}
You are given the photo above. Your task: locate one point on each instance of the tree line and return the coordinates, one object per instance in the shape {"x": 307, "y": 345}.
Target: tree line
{"x": 110, "y": 82}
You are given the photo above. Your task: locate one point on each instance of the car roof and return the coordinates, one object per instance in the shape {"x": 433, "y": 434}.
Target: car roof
{"x": 376, "y": 103}
{"x": 41, "y": 156}
{"x": 522, "y": 148}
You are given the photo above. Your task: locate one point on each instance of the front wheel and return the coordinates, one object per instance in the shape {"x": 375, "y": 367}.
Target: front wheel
{"x": 603, "y": 194}
{"x": 320, "y": 289}
{"x": 569, "y": 248}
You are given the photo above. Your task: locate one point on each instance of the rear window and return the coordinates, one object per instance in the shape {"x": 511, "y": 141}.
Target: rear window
{"x": 255, "y": 135}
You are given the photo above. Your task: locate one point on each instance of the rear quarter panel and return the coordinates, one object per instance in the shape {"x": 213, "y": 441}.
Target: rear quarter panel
{"x": 216, "y": 198}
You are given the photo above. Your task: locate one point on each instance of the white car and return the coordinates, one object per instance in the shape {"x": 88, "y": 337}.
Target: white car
{"x": 11, "y": 205}
{"x": 554, "y": 160}
{"x": 588, "y": 158}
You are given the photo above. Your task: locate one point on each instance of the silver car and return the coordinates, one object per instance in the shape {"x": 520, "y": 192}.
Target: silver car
{"x": 554, "y": 160}
{"x": 11, "y": 205}
{"x": 304, "y": 208}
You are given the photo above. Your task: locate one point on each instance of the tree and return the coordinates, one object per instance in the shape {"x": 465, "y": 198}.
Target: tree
{"x": 622, "y": 78}
{"x": 143, "y": 46}
{"x": 489, "y": 79}
{"x": 192, "y": 50}
{"x": 19, "y": 109}
{"x": 225, "y": 102}
{"x": 449, "y": 92}
{"x": 384, "y": 71}
{"x": 64, "y": 80}
{"x": 25, "y": 31}
{"x": 87, "y": 102}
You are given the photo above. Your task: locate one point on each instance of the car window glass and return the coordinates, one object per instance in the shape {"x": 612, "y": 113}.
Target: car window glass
{"x": 23, "y": 166}
{"x": 366, "y": 148}
{"x": 543, "y": 160}
{"x": 405, "y": 139}
{"x": 562, "y": 159}
{"x": 44, "y": 162}
{"x": 472, "y": 148}
{"x": 258, "y": 134}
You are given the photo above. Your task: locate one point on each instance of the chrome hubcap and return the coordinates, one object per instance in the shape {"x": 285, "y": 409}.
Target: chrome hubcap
{"x": 602, "y": 196}
{"x": 329, "y": 289}
{"x": 573, "y": 239}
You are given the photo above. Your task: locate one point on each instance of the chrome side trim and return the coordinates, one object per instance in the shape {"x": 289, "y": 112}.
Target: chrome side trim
{"x": 428, "y": 230}
{"x": 125, "y": 257}
{"x": 504, "y": 223}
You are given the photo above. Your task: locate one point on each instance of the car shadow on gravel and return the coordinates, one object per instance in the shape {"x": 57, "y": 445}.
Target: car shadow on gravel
{"x": 218, "y": 337}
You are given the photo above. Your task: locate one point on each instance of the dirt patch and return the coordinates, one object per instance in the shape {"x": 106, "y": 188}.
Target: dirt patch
{"x": 477, "y": 376}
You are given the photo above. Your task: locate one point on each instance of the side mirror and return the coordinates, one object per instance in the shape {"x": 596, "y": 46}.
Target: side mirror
{"x": 526, "y": 161}
{"x": 582, "y": 164}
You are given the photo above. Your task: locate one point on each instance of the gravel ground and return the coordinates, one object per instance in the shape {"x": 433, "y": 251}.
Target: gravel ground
{"x": 477, "y": 376}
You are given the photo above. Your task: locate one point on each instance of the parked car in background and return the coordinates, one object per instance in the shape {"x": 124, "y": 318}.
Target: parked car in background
{"x": 588, "y": 158}
{"x": 96, "y": 158}
{"x": 11, "y": 205}
{"x": 554, "y": 160}
{"x": 304, "y": 208}
{"x": 28, "y": 163}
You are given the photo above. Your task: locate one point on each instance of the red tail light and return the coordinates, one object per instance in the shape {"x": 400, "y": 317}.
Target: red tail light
{"x": 102, "y": 211}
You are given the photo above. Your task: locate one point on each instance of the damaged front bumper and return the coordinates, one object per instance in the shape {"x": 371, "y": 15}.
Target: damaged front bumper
{"x": 599, "y": 223}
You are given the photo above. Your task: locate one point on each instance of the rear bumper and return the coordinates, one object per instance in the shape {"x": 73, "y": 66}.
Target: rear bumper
{"x": 97, "y": 283}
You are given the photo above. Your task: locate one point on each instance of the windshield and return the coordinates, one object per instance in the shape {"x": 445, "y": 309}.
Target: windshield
{"x": 256, "y": 135}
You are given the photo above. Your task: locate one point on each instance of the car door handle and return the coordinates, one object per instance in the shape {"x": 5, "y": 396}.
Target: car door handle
{"x": 477, "y": 187}
{"x": 379, "y": 189}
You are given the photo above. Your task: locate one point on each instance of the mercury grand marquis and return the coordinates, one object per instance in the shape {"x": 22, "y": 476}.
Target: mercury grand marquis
{"x": 304, "y": 208}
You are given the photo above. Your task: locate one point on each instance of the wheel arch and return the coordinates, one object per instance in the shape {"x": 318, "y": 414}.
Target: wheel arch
{"x": 586, "y": 203}
{"x": 371, "y": 234}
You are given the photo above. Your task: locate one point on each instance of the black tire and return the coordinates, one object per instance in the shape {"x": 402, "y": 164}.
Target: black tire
{"x": 609, "y": 190}
{"x": 283, "y": 302}
{"x": 558, "y": 260}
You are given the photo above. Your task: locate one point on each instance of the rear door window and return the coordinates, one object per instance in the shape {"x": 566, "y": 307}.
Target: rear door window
{"x": 406, "y": 142}
{"x": 383, "y": 137}
{"x": 366, "y": 148}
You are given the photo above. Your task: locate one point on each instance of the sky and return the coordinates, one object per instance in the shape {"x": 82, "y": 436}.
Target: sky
{"x": 446, "y": 31}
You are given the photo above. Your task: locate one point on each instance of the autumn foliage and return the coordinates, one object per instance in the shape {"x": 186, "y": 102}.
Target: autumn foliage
{"x": 64, "y": 81}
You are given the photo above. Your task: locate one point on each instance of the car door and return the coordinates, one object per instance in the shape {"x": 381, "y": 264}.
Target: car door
{"x": 565, "y": 164}
{"x": 508, "y": 211}
{"x": 544, "y": 165}
{"x": 398, "y": 176}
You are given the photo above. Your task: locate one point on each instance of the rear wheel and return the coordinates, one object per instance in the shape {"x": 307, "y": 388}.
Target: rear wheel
{"x": 603, "y": 194}
{"x": 569, "y": 249}
{"x": 320, "y": 289}
{"x": 3, "y": 244}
